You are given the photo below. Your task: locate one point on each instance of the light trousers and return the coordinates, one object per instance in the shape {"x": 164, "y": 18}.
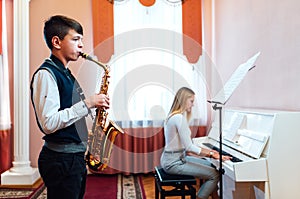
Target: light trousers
{"x": 178, "y": 163}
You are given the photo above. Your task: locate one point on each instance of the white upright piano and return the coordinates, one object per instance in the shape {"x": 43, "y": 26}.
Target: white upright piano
{"x": 266, "y": 147}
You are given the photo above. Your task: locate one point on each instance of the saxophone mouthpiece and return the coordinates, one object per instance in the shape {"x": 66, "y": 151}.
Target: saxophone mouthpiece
{"x": 86, "y": 56}
{"x": 90, "y": 58}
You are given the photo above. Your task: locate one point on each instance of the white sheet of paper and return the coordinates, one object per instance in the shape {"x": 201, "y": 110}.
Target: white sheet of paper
{"x": 252, "y": 143}
{"x": 235, "y": 79}
{"x": 234, "y": 123}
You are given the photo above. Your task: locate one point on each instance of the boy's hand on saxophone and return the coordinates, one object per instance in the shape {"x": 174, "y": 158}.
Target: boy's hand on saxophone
{"x": 97, "y": 100}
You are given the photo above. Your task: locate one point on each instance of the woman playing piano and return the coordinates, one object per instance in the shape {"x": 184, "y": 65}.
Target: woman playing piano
{"x": 180, "y": 155}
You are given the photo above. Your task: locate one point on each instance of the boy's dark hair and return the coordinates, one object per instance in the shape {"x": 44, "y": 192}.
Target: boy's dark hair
{"x": 59, "y": 25}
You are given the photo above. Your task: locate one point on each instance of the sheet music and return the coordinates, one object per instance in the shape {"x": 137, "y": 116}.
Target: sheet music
{"x": 251, "y": 142}
{"x": 235, "y": 79}
{"x": 234, "y": 123}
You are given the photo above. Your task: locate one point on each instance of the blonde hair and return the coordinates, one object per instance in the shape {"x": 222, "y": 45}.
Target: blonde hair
{"x": 179, "y": 102}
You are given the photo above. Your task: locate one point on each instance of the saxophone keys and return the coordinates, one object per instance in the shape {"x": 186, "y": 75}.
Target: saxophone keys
{"x": 92, "y": 163}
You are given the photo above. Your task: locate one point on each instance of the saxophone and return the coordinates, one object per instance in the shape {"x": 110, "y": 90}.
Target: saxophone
{"x": 102, "y": 137}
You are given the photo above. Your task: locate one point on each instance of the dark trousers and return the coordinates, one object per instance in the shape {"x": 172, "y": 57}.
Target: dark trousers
{"x": 64, "y": 174}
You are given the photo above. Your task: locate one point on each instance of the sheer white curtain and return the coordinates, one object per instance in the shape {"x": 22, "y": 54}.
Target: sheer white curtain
{"x": 5, "y": 120}
{"x": 148, "y": 65}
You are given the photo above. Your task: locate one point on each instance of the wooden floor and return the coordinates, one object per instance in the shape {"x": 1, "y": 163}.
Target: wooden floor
{"x": 148, "y": 182}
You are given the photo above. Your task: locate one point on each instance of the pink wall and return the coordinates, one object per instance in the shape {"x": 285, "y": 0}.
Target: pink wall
{"x": 272, "y": 27}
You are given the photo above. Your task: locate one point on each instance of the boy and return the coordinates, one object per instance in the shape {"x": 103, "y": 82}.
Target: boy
{"x": 60, "y": 109}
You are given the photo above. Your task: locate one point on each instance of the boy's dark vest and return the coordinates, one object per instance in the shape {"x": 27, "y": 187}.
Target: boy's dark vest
{"x": 70, "y": 93}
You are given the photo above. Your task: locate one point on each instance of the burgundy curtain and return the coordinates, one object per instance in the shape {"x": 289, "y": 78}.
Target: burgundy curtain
{"x": 135, "y": 152}
{"x": 6, "y": 150}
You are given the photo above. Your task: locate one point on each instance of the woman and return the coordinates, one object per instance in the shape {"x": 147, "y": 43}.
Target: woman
{"x": 180, "y": 155}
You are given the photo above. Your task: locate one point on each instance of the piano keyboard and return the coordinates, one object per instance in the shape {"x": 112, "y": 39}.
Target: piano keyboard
{"x": 233, "y": 159}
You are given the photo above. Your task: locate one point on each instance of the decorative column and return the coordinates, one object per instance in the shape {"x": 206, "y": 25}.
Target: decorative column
{"x": 21, "y": 173}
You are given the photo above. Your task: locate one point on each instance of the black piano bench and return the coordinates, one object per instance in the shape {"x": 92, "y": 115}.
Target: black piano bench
{"x": 182, "y": 184}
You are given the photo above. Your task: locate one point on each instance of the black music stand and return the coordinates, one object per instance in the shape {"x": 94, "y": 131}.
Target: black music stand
{"x": 223, "y": 96}
{"x": 218, "y": 106}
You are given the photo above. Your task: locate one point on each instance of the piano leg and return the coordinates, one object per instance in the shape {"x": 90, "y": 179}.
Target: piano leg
{"x": 245, "y": 190}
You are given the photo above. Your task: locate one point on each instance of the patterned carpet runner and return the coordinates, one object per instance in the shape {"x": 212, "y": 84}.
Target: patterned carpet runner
{"x": 22, "y": 193}
{"x": 98, "y": 186}
{"x": 130, "y": 187}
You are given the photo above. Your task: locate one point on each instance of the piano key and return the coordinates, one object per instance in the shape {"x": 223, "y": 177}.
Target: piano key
{"x": 233, "y": 158}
